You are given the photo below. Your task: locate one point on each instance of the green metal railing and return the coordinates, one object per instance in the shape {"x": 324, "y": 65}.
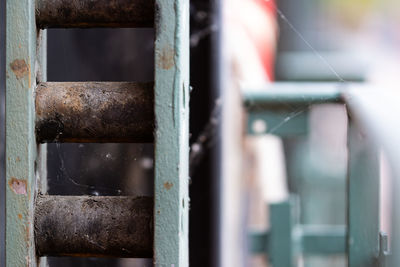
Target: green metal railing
{"x": 159, "y": 230}
{"x": 282, "y": 109}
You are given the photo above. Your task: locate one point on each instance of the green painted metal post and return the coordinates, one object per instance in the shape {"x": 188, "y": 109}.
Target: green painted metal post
{"x": 363, "y": 200}
{"x": 280, "y": 241}
{"x": 171, "y": 134}
{"x": 21, "y": 149}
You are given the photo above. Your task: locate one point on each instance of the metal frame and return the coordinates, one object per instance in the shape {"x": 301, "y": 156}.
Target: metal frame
{"x": 21, "y": 149}
{"x": 26, "y": 164}
{"x": 171, "y": 96}
{"x": 365, "y": 245}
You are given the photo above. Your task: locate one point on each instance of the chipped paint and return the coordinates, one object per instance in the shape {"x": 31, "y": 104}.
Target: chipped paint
{"x": 20, "y": 139}
{"x": 171, "y": 133}
{"x": 166, "y": 58}
{"x": 20, "y": 68}
{"x": 168, "y": 185}
{"x": 18, "y": 186}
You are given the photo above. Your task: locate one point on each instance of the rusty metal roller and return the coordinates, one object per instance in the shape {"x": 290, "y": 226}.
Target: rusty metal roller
{"x": 94, "y": 13}
{"x": 96, "y": 112}
{"x": 90, "y": 226}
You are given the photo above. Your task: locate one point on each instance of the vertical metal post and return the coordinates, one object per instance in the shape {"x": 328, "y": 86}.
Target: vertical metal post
{"x": 2, "y": 134}
{"x": 280, "y": 242}
{"x": 21, "y": 149}
{"x": 363, "y": 200}
{"x": 171, "y": 133}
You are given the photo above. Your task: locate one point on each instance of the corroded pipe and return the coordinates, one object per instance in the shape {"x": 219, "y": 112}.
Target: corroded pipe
{"x": 94, "y": 226}
{"x": 95, "y": 112}
{"x": 94, "y": 13}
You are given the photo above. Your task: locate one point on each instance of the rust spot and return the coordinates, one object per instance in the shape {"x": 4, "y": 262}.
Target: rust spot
{"x": 27, "y": 235}
{"x": 18, "y": 186}
{"x": 168, "y": 185}
{"x": 17, "y": 159}
{"x": 20, "y": 68}
{"x": 77, "y": 112}
{"x": 166, "y": 58}
{"x": 20, "y": 216}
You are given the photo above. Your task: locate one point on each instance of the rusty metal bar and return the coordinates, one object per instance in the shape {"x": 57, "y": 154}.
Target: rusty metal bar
{"x": 94, "y": 226}
{"x": 96, "y": 112}
{"x": 94, "y": 13}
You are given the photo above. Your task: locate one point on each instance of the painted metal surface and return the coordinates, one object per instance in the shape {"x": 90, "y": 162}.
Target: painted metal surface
{"x": 96, "y": 112}
{"x": 20, "y": 139}
{"x": 283, "y": 108}
{"x": 364, "y": 244}
{"x": 258, "y": 242}
{"x": 171, "y": 133}
{"x": 384, "y": 253}
{"x": 280, "y": 242}
{"x": 286, "y": 94}
{"x": 285, "y": 240}
{"x": 363, "y": 200}
{"x": 322, "y": 239}
{"x": 99, "y": 13}
{"x": 375, "y": 110}
{"x": 279, "y": 122}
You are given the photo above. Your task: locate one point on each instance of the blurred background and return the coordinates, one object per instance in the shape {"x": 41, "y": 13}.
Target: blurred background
{"x": 232, "y": 41}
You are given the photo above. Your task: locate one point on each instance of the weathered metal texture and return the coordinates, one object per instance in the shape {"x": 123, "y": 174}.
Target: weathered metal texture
{"x": 97, "y": 13}
{"x": 280, "y": 238}
{"x": 41, "y": 157}
{"x": 171, "y": 133}
{"x": 94, "y": 112}
{"x": 363, "y": 199}
{"x": 94, "y": 226}
{"x": 20, "y": 140}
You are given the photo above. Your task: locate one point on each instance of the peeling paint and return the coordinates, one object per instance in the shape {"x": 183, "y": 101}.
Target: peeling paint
{"x": 20, "y": 68}
{"x": 18, "y": 186}
{"x": 168, "y": 185}
{"x": 171, "y": 138}
{"x": 166, "y": 58}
